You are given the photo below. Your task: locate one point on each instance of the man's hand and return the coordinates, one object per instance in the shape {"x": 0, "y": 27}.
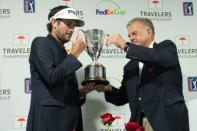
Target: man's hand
{"x": 86, "y": 89}
{"x": 117, "y": 40}
{"x": 89, "y": 87}
{"x": 102, "y": 88}
{"x": 78, "y": 46}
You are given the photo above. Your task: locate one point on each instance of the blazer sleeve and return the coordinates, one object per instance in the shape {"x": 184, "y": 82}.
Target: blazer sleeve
{"x": 163, "y": 54}
{"x": 42, "y": 57}
{"x": 117, "y": 96}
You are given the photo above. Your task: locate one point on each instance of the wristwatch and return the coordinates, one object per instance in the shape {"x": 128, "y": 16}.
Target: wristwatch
{"x": 126, "y": 45}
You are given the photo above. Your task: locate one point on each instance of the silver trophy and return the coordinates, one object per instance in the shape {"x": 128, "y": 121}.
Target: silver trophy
{"x": 94, "y": 72}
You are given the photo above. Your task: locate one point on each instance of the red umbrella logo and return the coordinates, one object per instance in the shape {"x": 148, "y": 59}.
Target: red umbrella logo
{"x": 21, "y": 38}
{"x": 155, "y": 3}
{"x": 117, "y": 118}
{"x": 21, "y": 120}
{"x": 182, "y": 39}
{"x": 65, "y": 1}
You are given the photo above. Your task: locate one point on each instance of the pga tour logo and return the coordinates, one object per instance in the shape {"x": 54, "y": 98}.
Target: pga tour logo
{"x": 192, "y": 83}
{"x": 28, "y": 88}
{"x": 188, "y": 8}
{"x": 29, "y": 6}
{"x": 155, "y": 4}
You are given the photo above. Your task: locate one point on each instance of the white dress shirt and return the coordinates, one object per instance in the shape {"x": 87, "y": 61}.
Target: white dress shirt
{"x": 142, "y": 64}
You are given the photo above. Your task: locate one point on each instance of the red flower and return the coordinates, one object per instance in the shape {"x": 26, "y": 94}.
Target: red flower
{"x": 132, "y": 126}
{"x": 107, "y": 118}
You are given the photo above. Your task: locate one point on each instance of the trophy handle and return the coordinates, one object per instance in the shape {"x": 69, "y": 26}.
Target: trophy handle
{"x": 83, "y": 32}
{"x": 106, "y": 37}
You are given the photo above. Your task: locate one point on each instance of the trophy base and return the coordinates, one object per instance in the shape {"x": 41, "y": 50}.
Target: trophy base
{"x": 97, "y": 82}
{"x": 95, "y": 73}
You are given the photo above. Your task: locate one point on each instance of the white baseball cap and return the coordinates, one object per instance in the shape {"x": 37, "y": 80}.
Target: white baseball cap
{"x": 70, "y": 14}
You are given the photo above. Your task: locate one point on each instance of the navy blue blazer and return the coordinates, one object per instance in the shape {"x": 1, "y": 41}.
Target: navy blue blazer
{"x": 158, "y": 91}
{"x": 55, "y": 103}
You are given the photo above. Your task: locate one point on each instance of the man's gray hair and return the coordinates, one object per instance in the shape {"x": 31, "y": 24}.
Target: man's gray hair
{"x": 145, "y": 21}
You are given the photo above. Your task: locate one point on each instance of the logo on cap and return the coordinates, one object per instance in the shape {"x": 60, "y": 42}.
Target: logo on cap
{"x": 71, "y": 12}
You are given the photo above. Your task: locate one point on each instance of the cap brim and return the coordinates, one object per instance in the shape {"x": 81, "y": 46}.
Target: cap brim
{"x": 79, "y": 23}
{"x": 70, "y": 14}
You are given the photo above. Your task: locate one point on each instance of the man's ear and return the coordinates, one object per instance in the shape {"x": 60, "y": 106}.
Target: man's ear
{"x": 149, "y": 31}
{"x": 54, "y": 23}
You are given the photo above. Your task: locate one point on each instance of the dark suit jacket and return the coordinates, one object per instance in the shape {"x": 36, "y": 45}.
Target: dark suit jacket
{"x": 159, "y": 87}
{"x": 55, "y": 103}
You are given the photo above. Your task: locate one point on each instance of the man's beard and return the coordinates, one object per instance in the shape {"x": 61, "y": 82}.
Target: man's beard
{"x": 64, "y": 40}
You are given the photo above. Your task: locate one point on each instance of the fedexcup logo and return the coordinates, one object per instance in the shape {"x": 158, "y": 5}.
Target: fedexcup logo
{"x": 103, "y": 10}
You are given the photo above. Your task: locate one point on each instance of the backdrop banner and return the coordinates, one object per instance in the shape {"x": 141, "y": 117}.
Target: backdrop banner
{"x": 22, "y": 20}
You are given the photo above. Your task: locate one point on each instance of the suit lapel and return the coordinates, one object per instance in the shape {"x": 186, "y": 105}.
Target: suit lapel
{"x": 132, "y": 66}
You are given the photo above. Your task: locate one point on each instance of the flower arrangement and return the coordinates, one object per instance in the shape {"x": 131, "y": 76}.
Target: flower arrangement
{"x": 133, "y": 126}
{"x": 107, "y": 119}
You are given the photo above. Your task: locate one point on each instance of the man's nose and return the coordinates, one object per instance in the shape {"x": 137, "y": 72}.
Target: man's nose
{"x": 131, "y": 39}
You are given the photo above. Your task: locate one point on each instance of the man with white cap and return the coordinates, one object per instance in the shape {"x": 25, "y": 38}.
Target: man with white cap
{"x": 56, "y": 100}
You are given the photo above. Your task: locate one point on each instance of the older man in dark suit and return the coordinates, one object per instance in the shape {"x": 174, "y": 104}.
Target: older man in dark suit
{"x": 152, "y": 81}
{"x": 56, "y": 100}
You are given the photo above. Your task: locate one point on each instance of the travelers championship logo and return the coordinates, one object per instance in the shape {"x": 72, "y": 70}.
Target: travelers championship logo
{"x": 21, "y": 40}
{"x": 155, "y": 4}
{"x": 29, "y": 6}
{"x": 156, "y": 12}
{"x": 184, "y": 47}
{"x": 188, "y": 8}
{"x": 192, "y": 83}
{"x": 69, "y": 3}
{"x": 5, "y": 13}
{"x": 117, "y": 124}
{"x": 5, "y": 94}
{"x": 109, "y": 8}
{"x": 182, "y": 40}
{"x": 20, "y": 122}
{"x": 20, "y": 47}
{"x": 112, "y": 52}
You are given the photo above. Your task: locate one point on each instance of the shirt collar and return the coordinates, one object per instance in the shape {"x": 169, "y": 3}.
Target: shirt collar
{"x": 151, "y": 44}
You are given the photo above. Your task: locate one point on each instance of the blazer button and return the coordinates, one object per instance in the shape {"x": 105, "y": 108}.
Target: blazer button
{"x": 140, "y": 98}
